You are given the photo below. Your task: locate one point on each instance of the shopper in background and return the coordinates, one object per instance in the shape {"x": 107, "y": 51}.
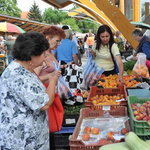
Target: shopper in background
{"x": 144, "y": 44}
{"x": 8, "y": 46}
{"x": 24, "y": 99}
{"x": 90, "y": 40}
{"x": 1, "y": 45}
{"x": 120, "y": 42}
{"x": 74, "y": 39}
{"x": 67, "y": 51}
{"x": 86, "y": 45}
{"x": 101, "y": 52}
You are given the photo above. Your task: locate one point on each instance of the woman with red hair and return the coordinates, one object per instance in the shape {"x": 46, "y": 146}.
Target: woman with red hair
{"x": 54, "y": 35}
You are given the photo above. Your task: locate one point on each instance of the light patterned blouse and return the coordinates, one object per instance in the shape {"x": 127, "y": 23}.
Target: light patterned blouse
{"x": 22, "y": 125}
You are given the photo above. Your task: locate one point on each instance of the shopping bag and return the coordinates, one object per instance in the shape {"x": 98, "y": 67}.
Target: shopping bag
{"x": 63, "y": 89}
{"x": 73, "y": 77}
{"x": 140, "y": 69}
{"x": 91, "y": 73}
{"x": 55, "y": 115}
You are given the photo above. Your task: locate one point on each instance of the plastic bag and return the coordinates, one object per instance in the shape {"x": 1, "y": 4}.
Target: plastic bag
{"x": 91, "y": 73}
{"x": 140, "y": 69}
{"x": 62, "y": 88}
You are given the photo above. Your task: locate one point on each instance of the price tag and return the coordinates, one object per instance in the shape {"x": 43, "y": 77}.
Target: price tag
{"x": 70, "y": 121}
{"x": 106, "y": 108}
{"x": 119, "y": 100}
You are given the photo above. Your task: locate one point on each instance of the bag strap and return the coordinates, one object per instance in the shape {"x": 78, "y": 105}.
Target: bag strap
{"x": 112, "y": 55}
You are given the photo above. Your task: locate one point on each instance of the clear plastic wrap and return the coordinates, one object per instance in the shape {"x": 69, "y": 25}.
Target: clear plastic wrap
{"x": 105, "y": 124}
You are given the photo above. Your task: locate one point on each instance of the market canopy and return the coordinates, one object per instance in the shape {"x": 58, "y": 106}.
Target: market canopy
{"x": 25, "y": 24}
{"x": 140, "y": 25}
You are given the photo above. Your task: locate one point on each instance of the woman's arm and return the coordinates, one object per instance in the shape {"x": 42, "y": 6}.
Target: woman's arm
{"x": 120, "y": 66}
{"x": 53, "y": 79}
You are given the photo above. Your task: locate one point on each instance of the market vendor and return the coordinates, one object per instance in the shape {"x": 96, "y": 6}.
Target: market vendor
{"x": 102, "y": 49}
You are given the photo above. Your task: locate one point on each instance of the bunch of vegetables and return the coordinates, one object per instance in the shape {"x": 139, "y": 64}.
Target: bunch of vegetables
{"x": 132, "y": 142}
{"x": 129, "y": 65}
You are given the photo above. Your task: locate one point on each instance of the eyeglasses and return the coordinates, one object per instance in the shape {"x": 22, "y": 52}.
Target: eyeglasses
{"x": 57, "y": 41}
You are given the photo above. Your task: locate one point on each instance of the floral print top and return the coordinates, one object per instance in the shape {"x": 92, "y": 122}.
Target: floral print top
{"x": 22, "y": 125}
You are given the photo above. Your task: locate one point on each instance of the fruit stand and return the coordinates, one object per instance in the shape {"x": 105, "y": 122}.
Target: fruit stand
{"x": 112, "y": 106}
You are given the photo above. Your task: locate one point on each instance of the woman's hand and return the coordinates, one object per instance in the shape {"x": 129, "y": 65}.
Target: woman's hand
{"x": 92, "y": 52}
{"x": 121, "y": 79}
{"x": 53, "y": 77}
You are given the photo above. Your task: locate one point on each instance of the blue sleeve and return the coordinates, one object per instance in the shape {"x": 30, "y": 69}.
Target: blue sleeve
{"x": 146, "y": 49}
{"x": 74, "y": 48}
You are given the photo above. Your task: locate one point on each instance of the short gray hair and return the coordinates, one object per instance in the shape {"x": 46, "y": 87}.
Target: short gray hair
{"x": 68, "y": 33}
{"x": 137, "y": 32}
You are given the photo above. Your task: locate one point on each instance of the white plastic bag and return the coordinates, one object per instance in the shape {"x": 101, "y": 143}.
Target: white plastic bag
{"x": 140, "y": 69}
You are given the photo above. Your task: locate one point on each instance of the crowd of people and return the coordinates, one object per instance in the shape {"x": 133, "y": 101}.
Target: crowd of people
{"x": 24, "y": 100}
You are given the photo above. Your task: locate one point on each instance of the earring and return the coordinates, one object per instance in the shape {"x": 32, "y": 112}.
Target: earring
{"x": 30, "y": 65}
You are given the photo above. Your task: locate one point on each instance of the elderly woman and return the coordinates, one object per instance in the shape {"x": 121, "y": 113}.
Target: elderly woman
{"x": 24, "y": 99}
{"x": 54, "y": 35}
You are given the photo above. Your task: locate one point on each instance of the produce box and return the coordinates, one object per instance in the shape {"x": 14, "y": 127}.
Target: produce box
{"x": 140, "y": 93}
{"x": 112, "y": 81}
{"x": 86, "y": 114}
{"x": 71, "y": 115}
{"x": 70, "y": 120}
{"x": 61, "y": 141}
{"x": 138, "y": 125}
{"x": 95, "y": 91}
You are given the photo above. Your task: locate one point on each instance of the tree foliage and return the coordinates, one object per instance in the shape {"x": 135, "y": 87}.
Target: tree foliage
{"x": 35, "y": 13}
{"x": 9, "y": 7}
{"x": 54, "y": 16}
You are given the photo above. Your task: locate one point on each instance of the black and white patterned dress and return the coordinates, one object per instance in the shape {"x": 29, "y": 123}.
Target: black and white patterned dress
{"x": 22, "y": 125}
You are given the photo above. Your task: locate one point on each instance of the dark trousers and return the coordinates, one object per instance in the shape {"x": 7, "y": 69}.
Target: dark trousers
{"x": 107, "y": 73}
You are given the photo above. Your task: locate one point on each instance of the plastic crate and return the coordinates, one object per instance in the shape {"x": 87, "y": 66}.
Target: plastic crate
{"x": 61, "y": 141}
{"x": 87, "y": 112}
{"x": 106, "y": 91}
{"x": 140, "y": 93}
{"x": 141, "y": 128}
{"x": 70, "y": 120}
{"x": 66, "y": 130}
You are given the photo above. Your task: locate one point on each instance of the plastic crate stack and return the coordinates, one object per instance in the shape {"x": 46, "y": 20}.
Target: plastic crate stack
{"x": 141, "y": 125}
{"x": 97, "y": 110}
{"x": 77, "y": 144}
{"x": 71, "y": 116}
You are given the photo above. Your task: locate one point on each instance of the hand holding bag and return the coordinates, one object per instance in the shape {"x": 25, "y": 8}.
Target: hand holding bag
{"x": 140, "y": 69}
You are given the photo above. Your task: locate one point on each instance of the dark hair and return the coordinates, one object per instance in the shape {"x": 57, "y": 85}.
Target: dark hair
{"x": 137, "y": 32}
{"x": 102, "y": 29}
{"x": 65, "y": 27}
{"x": 53, "y": 30}
{"x": 29, "y": 44}
{"x": 85, "y": 38}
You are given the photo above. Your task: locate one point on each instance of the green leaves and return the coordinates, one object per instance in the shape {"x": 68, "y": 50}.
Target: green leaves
{"x": 129, "y": 65}
{"x": 8, "y": 7}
